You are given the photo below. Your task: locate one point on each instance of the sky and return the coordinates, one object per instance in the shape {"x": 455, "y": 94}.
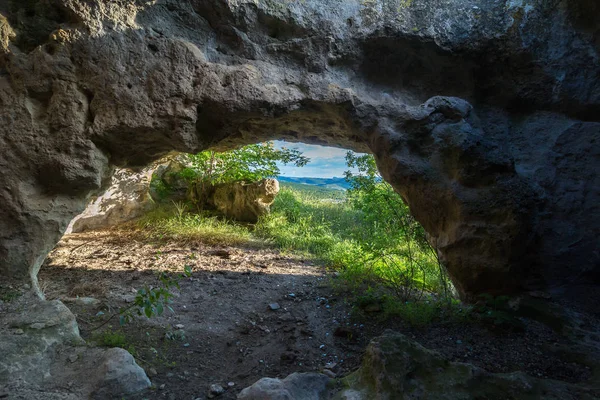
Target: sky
{"x": 325, "y": 162}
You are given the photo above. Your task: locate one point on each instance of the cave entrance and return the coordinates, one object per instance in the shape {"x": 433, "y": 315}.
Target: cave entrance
{"x": 304, "y": 287}
{"x": 329, "y": 205}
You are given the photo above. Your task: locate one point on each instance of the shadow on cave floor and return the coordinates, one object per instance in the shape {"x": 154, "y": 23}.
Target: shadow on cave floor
{"x": 231, "y": 335}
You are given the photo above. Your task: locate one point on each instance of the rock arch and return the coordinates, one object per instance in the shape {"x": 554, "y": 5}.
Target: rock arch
{"x": 482, "y": 114}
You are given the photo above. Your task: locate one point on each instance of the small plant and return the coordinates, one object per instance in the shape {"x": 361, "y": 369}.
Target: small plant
{"x": 180, "y": 208}
{"x": 111, "y": 338}
{"x": 159, "y": 189}
{"x": 152, "y": 301}
{"x": 8, "y": 295}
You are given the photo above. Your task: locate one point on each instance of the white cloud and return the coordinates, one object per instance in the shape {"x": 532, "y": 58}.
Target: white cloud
{"x": 325, "y": 162}
{"x": 314, "y": 151}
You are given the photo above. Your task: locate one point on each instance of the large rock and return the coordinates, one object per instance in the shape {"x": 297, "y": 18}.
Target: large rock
{"x": 396, "y": 368}
{"x": 43, "y": 355}
{"x": 119, "y": 374}
{"x": 168, "y": 184}
{"x": 483, "y": 114}
{"x": 245, "y": 201}
{"x": 297, "y": 386}
{"x": 127, "y": 198}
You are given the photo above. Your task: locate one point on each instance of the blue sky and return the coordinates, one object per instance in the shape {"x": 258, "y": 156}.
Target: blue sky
{"x": 325, "y": 162}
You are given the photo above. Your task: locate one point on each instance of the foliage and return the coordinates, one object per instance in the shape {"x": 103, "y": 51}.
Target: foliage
{"x": 367, "y": 234}
{"x": 395, "y": 245}
{"x": 353, "y": 237}
{"x": 159, "y": 188}
{"x": 152, "y": 301}
{"x": 109, "y": 338}
{"x": 249, "y": 163}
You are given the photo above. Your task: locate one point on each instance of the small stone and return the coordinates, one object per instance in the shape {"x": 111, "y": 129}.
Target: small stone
{"x": 274, "y": 306}
{"x": 73, "y": 358}
{"x": 37, "y": 325}
{"x": 330, "y": 365}
{"x": 459, "y": 342}
{"x": 215, "y": 390}
{"x": 162, "y": 387}
{"x": 179, "y": 326}
{"x": 329, "y": 373}
{"x": 19, "y": 331}
{"x": 87, "y": 301}
{"x": 230, "y": 384}
{"x": 151, "y": 371}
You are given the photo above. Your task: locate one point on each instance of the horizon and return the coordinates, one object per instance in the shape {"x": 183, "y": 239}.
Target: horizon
{"x": 310, "y": 177}
{"x": 326, "y": 162}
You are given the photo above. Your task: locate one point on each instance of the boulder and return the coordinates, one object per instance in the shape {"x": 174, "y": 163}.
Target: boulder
{"x": 297, "y": 386}
{"x": 245, "y": 201}
{"x": 127, "y": 198}
{"x": 168, "y": 184}
{"x": 118, "y": 374}
{"x": 396, "y": 368}
{"x": 43, "y": 354}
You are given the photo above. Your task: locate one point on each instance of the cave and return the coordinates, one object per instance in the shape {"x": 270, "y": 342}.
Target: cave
{"x": 483, "y": 115}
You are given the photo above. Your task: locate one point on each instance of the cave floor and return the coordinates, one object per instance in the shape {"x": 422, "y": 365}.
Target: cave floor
{"x": 222, "y": 330}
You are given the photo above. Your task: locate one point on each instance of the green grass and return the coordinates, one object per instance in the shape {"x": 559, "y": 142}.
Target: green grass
{"x": 171, "y": 222}
{"x": 336, "y": 233}
{"x": 109, "y": 338}
{"x": 322, "y": 224}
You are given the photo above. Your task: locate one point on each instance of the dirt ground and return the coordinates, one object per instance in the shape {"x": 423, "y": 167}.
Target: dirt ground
{"x": 223, "y": 331}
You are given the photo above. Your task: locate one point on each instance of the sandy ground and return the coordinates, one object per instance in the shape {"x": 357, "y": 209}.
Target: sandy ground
{"x": 223, "y": 331}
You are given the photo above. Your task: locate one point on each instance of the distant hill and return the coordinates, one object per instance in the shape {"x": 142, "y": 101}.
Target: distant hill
{"x": 327, "y": 183}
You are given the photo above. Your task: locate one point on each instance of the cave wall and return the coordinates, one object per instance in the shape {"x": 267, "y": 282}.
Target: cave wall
{"x": 483, "y": 114}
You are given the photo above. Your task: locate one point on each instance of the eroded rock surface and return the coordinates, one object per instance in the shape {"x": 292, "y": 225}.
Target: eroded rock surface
{"x": 245, "y": 201}
{"x": 128, "y": 197}
{"x": 43, "y": 356}
{"x": 395, "y": 367}
{"x": 483, "y": 114}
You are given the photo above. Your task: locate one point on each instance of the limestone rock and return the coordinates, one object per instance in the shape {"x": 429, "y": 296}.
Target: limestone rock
{"x": 483, "y": 114}
{"x": 395, "y": 368}
{"x": 48, "y": 355}
{"x": 245, "y": 201}
{"x": 297, "y": 386}
{"x": 169, "y": 184}
{"x": 119, "y": 374}
{"x": 127, "y": 198}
